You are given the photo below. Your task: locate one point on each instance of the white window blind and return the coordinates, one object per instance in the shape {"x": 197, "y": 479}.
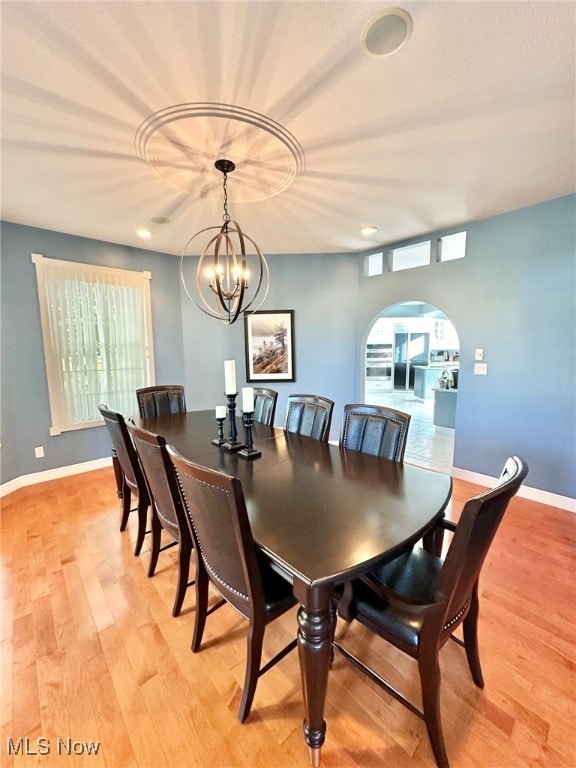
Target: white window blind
{"x": 97, "y": 331}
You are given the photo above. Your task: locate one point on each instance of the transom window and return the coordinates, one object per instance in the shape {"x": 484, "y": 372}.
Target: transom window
{"x": 452, "y": 247}
{"x": 410, "y": 256}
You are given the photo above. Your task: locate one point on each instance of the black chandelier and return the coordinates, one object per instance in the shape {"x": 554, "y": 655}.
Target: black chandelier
{"x": 223, "y": 290}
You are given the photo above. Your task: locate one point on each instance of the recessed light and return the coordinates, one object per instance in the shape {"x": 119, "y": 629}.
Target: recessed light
{"x": 368, "y": 230}
{"x": 145, "y": 234}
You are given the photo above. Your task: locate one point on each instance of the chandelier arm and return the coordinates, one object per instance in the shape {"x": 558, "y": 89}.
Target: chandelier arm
{"x": 221, "y": 297}
{"x": 213, "y": 312}
{"x": 238, "y": 303}
{"x": 209, "y": 311}
{"x": 264, "y": 270}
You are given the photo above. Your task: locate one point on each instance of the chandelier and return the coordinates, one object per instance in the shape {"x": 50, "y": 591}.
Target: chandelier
{"x": 229, "y": 281}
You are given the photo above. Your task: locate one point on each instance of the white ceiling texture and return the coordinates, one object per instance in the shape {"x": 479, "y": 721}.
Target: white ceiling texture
{"x": 113, "y": 114}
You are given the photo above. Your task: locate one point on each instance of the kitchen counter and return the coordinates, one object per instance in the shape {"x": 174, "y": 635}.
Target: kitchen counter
{"x": 424, "y": 379}
{"x": 445, "y": 407}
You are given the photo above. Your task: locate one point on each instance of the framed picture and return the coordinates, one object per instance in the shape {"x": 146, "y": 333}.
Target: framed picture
{"x": 269, "y": 341}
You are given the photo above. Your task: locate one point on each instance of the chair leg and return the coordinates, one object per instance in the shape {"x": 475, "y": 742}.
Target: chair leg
{"x": 253, "y": 658}
{"x": 126, "y": 500}
{"x": 201, "y": 606}
{"x": 430, "y": 682}
{"x": 433, "y": 540}
{"x": 118, "y": 474}
{"x": 334, "y": 619}
{"x": 184, "y": 553}
{"x": 156, "y": 541}
{"x": 470, "y": 627}
{"x": 343, "y": 604}
{"x": 142, "y": 519}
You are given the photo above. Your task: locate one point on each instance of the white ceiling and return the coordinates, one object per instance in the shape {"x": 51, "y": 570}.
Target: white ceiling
{"x": 474, "y": 116}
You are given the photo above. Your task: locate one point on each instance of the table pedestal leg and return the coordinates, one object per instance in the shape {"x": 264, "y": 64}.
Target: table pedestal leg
{"x": 315, "y": 630}
{"x": 118, "y": 474}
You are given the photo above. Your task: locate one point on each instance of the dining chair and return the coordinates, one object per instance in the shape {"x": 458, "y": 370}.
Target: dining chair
{"x": 309, "y": 415}
{"x": 161, "y": 400}
{"x": 265, "y": 405}
{"x": 228, "y": 558}
{"x": 132, "y": 477}
{"x": 417, "y": 600}
{"x": 168, "y": 513}
{"x": 375, "y": 430}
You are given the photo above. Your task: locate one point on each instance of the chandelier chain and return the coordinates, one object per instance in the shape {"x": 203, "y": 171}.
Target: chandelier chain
{"x": 226, "y": 215}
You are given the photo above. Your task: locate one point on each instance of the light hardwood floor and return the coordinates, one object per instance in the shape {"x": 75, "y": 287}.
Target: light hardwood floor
{"x": 91, "y": 653}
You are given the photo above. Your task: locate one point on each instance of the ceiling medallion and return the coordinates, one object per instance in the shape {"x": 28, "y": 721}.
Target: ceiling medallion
{"x": 180, "y": 143}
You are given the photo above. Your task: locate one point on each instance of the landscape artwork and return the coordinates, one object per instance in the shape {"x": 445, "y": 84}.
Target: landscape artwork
{"x": 269, "y": 340}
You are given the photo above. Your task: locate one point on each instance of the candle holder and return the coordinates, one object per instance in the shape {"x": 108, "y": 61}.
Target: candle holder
{"x": 248, "y": 451}
{"x": 220, "y": 439}
{"x": 232, "y": 443}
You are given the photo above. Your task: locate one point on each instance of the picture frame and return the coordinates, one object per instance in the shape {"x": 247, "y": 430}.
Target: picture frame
{"x": 269, "y": 345}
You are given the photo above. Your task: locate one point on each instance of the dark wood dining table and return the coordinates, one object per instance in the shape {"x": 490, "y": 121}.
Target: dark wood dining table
{"x": 323, "y": 515}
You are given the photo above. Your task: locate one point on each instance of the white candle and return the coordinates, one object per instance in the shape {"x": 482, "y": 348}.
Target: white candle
{"x": 220, "y": 411}
{"x": 248, "y": 399}
{"x": 230, "y": 377}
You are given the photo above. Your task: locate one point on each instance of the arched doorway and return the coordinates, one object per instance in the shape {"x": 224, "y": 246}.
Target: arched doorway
{"x": 411, "y": 350}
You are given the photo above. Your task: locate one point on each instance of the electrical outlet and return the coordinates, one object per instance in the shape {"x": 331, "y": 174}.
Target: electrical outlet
{"x": 479, "y": 354}
{"x": 39, "y": 452}
{"x": 481, "y": 369}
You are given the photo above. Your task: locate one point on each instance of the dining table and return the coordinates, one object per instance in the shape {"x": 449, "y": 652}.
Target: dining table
{"x": 323, "y": 515}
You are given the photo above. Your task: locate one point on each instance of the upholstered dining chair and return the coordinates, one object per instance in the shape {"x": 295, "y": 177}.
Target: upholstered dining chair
{"x": 228, "y": 558}
{"x": 376, "y": 430}
{"x": 309, "y": 415}
{"x": 161, "y": 400}
{"x": 417, "y": 600}
{"x": 265, "y": 405}
{"x": 168, "y": 513}
{"x": 132, "y": 477}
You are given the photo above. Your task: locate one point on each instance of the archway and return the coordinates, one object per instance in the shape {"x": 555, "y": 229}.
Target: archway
{"x": 411, "y": 351}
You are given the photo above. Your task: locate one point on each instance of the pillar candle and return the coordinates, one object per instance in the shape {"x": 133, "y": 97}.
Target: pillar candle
{"x": 230, "y": 377}
{"x": 248, "y": 399}
{"x": 220, "y": 411}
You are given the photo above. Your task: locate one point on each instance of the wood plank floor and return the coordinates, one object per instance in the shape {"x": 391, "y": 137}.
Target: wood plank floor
{"x": 92, "y": 654}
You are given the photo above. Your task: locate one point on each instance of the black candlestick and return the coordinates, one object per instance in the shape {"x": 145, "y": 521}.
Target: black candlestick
{"x": 220, "y": 439}
{"x": 248, "y": 452}
{"x": 232, "y": 443}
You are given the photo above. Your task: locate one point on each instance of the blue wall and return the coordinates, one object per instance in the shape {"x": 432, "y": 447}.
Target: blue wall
{"x": 322, "y": 291}
{"x": 25, "y": 408}
{"x": 513, "y": 295}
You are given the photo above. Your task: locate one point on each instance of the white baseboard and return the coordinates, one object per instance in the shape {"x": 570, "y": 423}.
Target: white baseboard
{"x": 53, "y": 474}
{"x": 525, "y": 492}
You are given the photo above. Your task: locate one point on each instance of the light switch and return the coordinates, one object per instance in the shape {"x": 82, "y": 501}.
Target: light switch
{"x": 479, "y": 354}
{"x": 481, "y": 369}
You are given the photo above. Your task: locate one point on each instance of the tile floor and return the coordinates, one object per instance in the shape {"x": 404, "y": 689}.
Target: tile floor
{"x": 427, "y": 445}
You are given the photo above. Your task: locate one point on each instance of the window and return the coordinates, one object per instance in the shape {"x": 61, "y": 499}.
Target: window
{"x": 97, "y": 331}
{"x": 373, "y": 264}
{"x": 452, "y": 247}
{"x": 410, "y": 256}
